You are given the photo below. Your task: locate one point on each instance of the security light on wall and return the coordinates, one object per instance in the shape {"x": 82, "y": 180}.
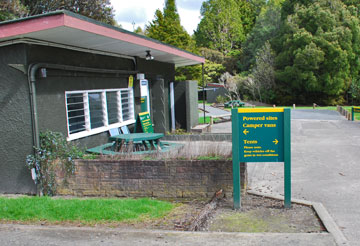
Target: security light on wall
{"x": 148, "y": 56}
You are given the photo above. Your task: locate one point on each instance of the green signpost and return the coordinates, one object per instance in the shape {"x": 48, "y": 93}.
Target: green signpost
{"x": 261, "y": 135}
{"x": 353, "y": 111}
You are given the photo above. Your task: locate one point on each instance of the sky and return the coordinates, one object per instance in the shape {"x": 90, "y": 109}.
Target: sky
{"x": 142, "y": 12}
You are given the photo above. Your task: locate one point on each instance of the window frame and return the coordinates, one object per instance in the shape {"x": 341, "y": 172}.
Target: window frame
{"x": 88, "y": 131}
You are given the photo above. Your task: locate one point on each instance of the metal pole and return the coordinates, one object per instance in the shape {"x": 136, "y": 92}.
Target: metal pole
{"x": 287, "y": 157}
{"x": 203, "y": 82}
{"x": 236, "y": 158}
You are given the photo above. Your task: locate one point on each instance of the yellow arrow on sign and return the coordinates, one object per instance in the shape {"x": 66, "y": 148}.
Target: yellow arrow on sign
{"x": 275, "y": 141}
{"x": 245, "y": 131}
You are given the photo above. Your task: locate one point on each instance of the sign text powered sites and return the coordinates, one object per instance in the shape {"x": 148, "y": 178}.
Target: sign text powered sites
{"x": 261, "y": 135}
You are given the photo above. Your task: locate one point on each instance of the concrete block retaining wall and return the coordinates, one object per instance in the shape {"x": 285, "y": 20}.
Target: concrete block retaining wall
{"x": 166, "y": 179}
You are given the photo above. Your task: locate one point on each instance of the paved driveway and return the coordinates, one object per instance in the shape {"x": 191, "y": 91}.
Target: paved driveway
{"x": 325, "y": 167}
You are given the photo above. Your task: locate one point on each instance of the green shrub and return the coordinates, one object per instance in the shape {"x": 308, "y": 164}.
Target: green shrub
{"x": 221, "y": 99}
{"x": 54, "y": 152}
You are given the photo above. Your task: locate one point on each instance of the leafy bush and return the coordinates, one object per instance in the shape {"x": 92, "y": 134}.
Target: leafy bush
{"x": 54, "y": 152}
{"x": 221, "y": 99}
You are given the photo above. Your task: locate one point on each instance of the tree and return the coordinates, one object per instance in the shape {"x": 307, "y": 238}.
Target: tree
{"x": 166, "y": 27}
{"x": 100, "y": 10}
{"x": 224, "y": 24}
{"x": 139, "y": 30}
{"x": 12, "y": 9}
{"x": 267, "y": 27}
{"x": 257, "y": 5}
{"x": 264, "y": 73}
{"x": 231, "y": 85}
{"x": 317, "y": 52}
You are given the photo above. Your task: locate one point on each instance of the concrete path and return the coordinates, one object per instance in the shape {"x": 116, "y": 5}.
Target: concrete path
{"x": 325, "y": 167}
{"x": 65, "y": 236}
{"x": 211, "y": 111}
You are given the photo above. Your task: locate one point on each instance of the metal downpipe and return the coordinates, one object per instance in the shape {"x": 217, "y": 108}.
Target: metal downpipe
{"x": 203, "y": 82}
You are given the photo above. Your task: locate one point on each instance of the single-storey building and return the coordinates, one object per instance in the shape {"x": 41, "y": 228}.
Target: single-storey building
{"x": 67, "y": 73}
{"x": 213, "y": 90}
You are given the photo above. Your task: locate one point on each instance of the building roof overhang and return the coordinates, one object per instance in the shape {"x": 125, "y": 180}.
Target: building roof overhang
{"x": 73, "y": 30}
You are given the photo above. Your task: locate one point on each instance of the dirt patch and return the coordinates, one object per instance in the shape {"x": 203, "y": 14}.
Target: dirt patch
{"x": 259, "y": 214}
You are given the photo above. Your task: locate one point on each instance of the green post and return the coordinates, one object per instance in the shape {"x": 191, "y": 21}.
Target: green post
{"x": 236, "y": 158}
{"x": 143, "y": 104}
{"x": 287, "y": 157}
{"x": 352, "y": 114}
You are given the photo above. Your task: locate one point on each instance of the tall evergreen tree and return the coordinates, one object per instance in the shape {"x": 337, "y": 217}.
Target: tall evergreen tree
{"x": 12, "y": 9}
{"x": 317, "y": 51}
{"x": 267, "y": 26}
{"x": 166, "y": 27}
{"x": 100, "y": 10}
{"x": 224, "y": 24}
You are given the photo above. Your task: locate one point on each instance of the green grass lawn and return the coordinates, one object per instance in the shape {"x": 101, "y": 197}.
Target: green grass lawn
{"x": 87, "y": 211}
{"x": 207, "y": 120}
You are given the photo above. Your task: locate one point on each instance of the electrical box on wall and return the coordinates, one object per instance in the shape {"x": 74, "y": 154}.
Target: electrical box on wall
{"x": 145, "y": 95}
{"x": 140, "y": 76}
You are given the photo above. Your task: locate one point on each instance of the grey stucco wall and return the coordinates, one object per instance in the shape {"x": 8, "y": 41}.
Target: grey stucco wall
{"x": 154, "y": 72}
{"x": 51, "y": 90}
{"x": 186, "y": 104}
{"x": 159, "y": 106}
{"x": 15, "y": 123}
{"x": 15, "y": 113}
{"x": 180, "y": 104}
{"x": 192, "y": 115}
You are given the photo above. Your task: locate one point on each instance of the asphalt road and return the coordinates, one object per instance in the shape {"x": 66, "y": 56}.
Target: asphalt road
{"x": 11, "y": 235}
{"x": 325, "y": 167}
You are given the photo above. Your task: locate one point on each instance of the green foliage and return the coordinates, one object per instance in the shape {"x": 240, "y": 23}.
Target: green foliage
{"x": 354, "y": 92}
{"x": 139, "y": 30}
{"x": 317, "y": 52}
{"x": 257, "y": 5}
{"x": 224, "y": 24}
{"x": 228, "y": 61}
{"x": 86, "y": 211}
{"x": 264, "y": 73}
{"x": 12, "y": 9}
{"x": 54, "y": 152}
{"x": 100, "y": 10}
{"x": 213, "y": 71}
{"x": 189, "y": 73}
{"x": 267, "y": 26}
{"x": 221, "y": 99}
{"x": 166, "y": 27}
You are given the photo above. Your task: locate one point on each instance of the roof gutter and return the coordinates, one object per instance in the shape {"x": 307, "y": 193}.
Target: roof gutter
{"x": 32, "y": 70}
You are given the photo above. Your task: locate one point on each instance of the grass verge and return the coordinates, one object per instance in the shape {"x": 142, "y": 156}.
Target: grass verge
{"x": 87, "y": 211}
{"x": 207, "y": 120}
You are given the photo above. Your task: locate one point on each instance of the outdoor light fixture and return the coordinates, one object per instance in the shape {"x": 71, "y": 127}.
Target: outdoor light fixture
{"x": 148, "y": 56}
